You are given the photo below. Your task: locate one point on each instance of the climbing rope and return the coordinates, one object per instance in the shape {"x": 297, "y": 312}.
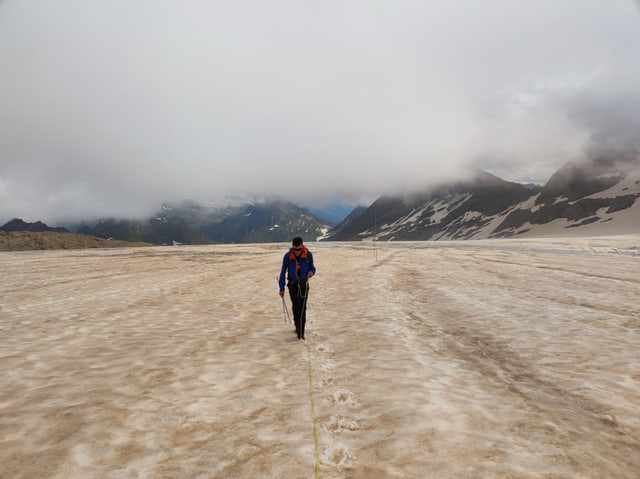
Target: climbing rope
{"x": 313, "y": 406}
{"x": 313, "y": 415}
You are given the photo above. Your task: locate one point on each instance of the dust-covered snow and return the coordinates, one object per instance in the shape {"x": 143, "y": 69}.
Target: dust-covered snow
{"x": 477, "y": 359}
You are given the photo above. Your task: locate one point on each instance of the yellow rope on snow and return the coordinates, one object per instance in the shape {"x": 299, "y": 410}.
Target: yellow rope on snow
{"x": 313, "y": 414}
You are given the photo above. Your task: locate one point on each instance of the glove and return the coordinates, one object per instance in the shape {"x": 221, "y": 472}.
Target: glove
{"x": 282, "y": 294}
{"x": 309, "y": 275}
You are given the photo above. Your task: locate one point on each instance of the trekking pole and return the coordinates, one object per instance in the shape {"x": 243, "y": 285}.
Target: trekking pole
{"x": 306, "y": 295}
{"x": 284, "y": 307}
{"x": 286, "y": 312}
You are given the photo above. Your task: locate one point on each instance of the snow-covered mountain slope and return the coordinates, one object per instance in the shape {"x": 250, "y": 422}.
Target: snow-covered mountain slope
{"x": 596, "y": 196}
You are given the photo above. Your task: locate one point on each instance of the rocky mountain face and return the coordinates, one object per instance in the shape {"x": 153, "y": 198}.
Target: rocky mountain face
{"x": 275, "y": 221}
{"x": 158, "y": 230}
{"x": 198, "y": 215}
{"x": 17, "y": 224}
{"x": 454, "y": 211}
{"x": 193, "y": 223}
{"x": 600, "y": 191}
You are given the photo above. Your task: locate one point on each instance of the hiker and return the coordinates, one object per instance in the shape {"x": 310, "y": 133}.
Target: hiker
{"x": 298, "y": 266}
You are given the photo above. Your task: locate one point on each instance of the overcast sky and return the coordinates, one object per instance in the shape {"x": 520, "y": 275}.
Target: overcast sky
{"x": 110, "y": 107}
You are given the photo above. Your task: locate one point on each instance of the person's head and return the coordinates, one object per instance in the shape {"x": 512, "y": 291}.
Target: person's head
{"x": 297, "y": 245}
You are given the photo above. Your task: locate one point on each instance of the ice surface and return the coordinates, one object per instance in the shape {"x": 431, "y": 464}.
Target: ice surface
{"x": 491, "y": 359}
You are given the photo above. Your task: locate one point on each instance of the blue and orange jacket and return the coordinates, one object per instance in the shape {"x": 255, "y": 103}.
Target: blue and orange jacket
{"x": 296, "y": 269}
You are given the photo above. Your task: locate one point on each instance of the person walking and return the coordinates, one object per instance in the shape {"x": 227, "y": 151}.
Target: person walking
{"x": 297, "y": 265}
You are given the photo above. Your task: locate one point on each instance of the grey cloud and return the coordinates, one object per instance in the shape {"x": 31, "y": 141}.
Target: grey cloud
{"x": 113, "y": 107}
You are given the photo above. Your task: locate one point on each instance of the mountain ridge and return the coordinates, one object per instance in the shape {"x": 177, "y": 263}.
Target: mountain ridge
{"x": 598, "y": 195}
{"x": 579, "y": 194}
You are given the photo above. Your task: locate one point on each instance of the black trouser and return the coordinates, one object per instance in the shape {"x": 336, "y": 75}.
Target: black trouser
{"x": 298, "y": 292}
